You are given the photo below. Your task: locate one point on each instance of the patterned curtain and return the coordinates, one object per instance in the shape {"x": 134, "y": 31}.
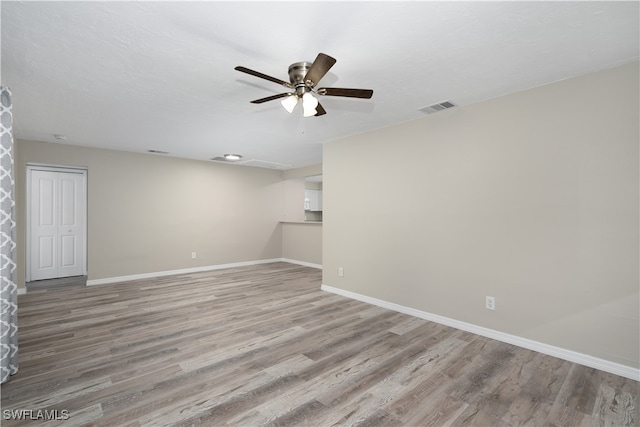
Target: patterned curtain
{"x": 8, "y": 286}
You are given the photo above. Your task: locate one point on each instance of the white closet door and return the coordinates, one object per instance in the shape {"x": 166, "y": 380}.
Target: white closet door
{"x": 57, "y": 219}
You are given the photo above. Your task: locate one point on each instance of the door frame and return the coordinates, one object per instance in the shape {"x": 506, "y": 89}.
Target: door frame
{"x": 55, "y": 168}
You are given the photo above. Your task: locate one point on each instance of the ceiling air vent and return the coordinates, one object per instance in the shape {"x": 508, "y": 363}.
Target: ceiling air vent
{"x": 158, "y": 152}
{"x": 437, "y": 107}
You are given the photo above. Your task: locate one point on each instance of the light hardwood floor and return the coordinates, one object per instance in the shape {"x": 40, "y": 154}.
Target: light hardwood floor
{"x": 263, "y": 345}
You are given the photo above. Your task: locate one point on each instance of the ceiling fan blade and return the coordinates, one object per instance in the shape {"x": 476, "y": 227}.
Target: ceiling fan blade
{"x": 263, "y": 76}
{"x": 271, "y": 98}
{"x": 319, "y": 68}
{"x": 351, "y": 93}
{"x": 320, "y": 111}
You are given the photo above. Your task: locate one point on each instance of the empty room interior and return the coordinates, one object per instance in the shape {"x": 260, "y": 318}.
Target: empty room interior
{"x": 320, "y": 213}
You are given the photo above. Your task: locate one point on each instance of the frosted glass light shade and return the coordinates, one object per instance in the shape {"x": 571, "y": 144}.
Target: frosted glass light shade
{"x": 309, "y": 104}
{"x": 289, "y": 103}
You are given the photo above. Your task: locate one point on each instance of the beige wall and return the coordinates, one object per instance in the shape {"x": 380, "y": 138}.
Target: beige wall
{"x": 302, "y": 172}
{"x": 531, "y": 198}
{"x": 302, "y": 242}
{"x": 147, "y": 213}
{"x": 294, "y": 186}
{"x": 293, "y": 199}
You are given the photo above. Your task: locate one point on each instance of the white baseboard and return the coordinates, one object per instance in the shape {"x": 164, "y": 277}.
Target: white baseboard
{"x": 22, "y": 291}
{"x": 561, "y": 353}
{"x": 304, "y": 263}
{"x": 117, "y": 279}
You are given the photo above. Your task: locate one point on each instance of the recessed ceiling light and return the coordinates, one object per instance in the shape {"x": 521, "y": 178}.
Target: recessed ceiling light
{"x": 58, "y": 136}
{"x": 232, "y": 157}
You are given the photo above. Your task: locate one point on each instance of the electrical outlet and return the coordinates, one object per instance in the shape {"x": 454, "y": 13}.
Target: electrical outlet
{"x": 193, "y": 255}
{"x": 490, "y": 303}
{"x": 340, "y": 272}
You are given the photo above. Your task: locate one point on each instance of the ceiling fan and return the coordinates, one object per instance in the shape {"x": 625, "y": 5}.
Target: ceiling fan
{"x": 303, "y": 78}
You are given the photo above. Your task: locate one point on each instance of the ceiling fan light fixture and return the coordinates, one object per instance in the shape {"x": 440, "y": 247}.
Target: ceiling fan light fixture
{"x": 309, "y": 104}
{"x": 289, "y": 103}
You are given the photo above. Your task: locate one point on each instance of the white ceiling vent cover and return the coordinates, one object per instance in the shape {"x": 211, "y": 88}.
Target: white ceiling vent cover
{"x": 445, "y": 105}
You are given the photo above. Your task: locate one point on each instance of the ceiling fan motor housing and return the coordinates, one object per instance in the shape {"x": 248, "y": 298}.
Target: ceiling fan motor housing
{"x": 297, "y": 71}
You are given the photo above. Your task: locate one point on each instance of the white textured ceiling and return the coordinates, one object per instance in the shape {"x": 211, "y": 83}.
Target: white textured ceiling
{"x": 136, "y": 76}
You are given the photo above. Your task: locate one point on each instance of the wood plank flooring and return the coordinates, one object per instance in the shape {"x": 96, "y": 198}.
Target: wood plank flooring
{"x": 262, "y": 345}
